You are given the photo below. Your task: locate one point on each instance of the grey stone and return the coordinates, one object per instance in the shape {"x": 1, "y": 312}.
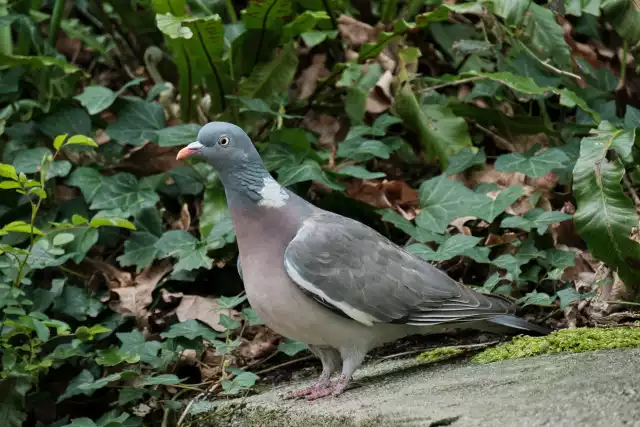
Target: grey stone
{"x": 584, "y": 389}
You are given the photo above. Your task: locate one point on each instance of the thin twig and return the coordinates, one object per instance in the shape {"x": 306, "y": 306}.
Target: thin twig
{"x": 260, "y": 361}
{"x": 456, "y": 83}
{"x": 623, "y": 303}
{"x": 191, "y": 402}
{"x": 281, "y": 365}
{"x": 506, "y": 142}
{"x": 457, "y": 347}
{"x": 547, "y": 65}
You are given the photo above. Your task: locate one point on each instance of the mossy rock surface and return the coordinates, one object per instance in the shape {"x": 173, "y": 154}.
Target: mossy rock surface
{"x": 592, "y": 388}
{"x": 563, "y": 341}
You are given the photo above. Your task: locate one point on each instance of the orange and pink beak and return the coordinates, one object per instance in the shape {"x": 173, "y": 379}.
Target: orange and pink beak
{"x": 190, "y": 150}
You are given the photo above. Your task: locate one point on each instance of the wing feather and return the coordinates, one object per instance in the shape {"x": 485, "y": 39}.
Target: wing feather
{"x": 357, "y": 272}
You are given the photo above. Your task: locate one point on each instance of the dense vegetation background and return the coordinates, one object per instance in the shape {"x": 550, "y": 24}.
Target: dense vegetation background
{"x": 495, "y": 138}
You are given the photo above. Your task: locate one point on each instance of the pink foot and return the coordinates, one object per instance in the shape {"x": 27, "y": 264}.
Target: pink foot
{"x": 329, "y": 390}
{"x": 300, "y": 393}
{"x": 321, "y": 384}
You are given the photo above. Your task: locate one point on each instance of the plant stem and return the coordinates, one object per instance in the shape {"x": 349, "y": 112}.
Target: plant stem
{"x": 231, "y": 11}
{"x": 389, "y": 9}
{"x": 623, "y": 66}
{"x": 327, "y": 7}
{"x": 56, "y": 18}
{"x": 411, "y": 9}
{"x": 6, "y": 43}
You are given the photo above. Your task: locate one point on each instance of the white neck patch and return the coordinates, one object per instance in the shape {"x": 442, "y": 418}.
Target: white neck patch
{"x": 272, "y": 194}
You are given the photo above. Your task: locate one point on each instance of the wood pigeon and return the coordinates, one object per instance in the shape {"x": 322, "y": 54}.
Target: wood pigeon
{"x": 330, "y": 281}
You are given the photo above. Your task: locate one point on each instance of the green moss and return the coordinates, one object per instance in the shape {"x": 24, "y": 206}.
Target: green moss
{"x": 565, "y": 340}
{"x": 440, "y": 353}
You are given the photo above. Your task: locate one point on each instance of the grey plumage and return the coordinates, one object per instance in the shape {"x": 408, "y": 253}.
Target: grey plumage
{"x": 329, "y": 281}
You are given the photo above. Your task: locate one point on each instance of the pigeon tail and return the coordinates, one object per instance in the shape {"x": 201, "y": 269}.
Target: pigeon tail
{"x": 517, "y": 323}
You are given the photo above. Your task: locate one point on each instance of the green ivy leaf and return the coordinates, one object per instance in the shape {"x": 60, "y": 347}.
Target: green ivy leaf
{"x": 534, "y": 218}
{"x": 137, "y": 122}
{"x": 134, "y": 343}
{"x": 69, "y": 120}
{"x": 231, "y": 302}
{"x": 309, "y": 170}
{"x": 494, "y": 207}
{"x": 532, "y": 165}
{"x": 190, "y": 329}
{"x": 536, "y": 298}
{"x": 28, "y": 161}
{"x": 78, "y": 386}
{"x": 359, "y": 172}
{"x": 178, "y": 135}
{"x": 122, "y": 192}
{"x": 139, "y": 250}
{"x": 77, "y": 303}
{"x": 251, "y": 317}
{"x": 356, "y": 102}
{"x": 180, "y": 244}
{"x": 164, "y": 379}
{"x": 88, "y": 180}
{"x": 363, "y": 149}
{"x": 442, "y": 200}
{"x": 241, "y": 380}
{"x": 291, "y": 347}
{"x": 464, "y": 159}
{"x": 114, "y": 356}
{"x": 452, "y": 247}
{"x": 420, "y": 234}
{"x": 98, "y": 98}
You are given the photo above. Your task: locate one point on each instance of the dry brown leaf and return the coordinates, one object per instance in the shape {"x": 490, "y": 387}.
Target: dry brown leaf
{"x": 262, "y": 343}
{"x": 65, "y": 193}
{"x": 545, "y": 183}
{"x": 382, "y": 194}
{"x": 490, "y": 175}
{"x": 308, "y": 80}
{"x": 458, "y": 224}
{"x": 380, "y": 98}
{"x": 387, "y": 63}
{"x": 184, "y": 221}
{"x": 204, "y": 309}
{"x": 150, "y": 159}
{"x": 354, "y": 32}
{"x": 495, "y": 239}
{"x": 170, "y": 297}
{"x": 565, "y": 232}
{"x": 101, "y": 137}
{"x": 135, "y": 299}
{"x": 114, "y": 277}
{"x": 325, "y": 125}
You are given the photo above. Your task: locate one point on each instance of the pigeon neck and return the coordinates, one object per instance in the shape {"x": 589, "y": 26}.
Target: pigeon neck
{"x": 252, "y": 184}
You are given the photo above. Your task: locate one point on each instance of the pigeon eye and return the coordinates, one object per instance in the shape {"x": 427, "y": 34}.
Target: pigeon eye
{"x": 223, "y": 141}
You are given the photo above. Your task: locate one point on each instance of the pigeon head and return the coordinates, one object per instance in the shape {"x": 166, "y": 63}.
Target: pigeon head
{"x": 224, "y": 146}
